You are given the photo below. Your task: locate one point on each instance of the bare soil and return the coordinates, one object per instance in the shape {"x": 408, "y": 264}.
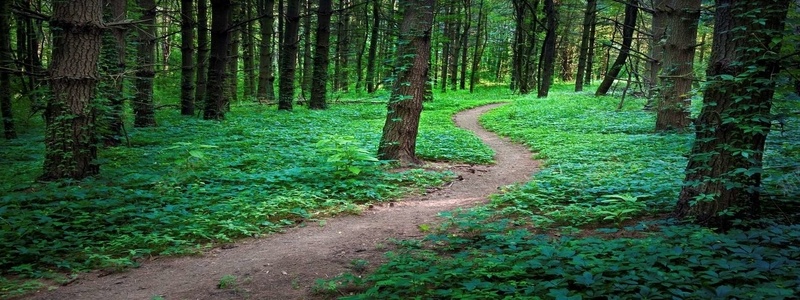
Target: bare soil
{"x": 286, "y": 265}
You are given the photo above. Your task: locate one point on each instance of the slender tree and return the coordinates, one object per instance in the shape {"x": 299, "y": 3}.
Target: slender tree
{"x": 373, "y": 47}
{"x": 220, "y": 39}
{"x": 6, "y": 65}
{"x": 548, "y": 49}
{"x": 143, "y": 106}
{"x": 307, "y": 73}
{"x": 398, "y": 141}
{"x": 723, "y": 175}
{"x": 266, "y": 78}
{"x": 187, "y": 57}
{"x": 70, "y": 140}
{"x": 112, "y": 66}
{"x": 477, "y": 52}
{"x": 202, "y": 52}
{"x": 321, "y": 52}
{"x": 234, "y": 45}
{"x": 583, "y": 57}
{"x": 288, "y": 56}
{"x": 249, "y": 53}
{"x": 628, "y": 27}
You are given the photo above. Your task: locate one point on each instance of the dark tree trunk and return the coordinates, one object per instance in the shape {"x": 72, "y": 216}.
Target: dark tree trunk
{"x": 548, "y": 49}
{"x": 631, "y": 10}
{"x": 399, "y": 138}
{"x": 70, "y": 140}
{"x": 446, "y": 48}
{"x": 288, "y": 57}
{"x": 112, "y": 66}
{"x": 723, "y": 176}
{"x": 465, "y": 44}
{"x": 477, "y": 53}
{"x": 234, "y": 42}
{"x": 321, "y": 52}
{"x": 583, "y": 57}
{"x": 143, "y": 106}
{"x": 187, "y": 57}
{"x": 305, "y": 85}
{"x": 266, "y": 79}
{"x": 220, "y": 39}
{"x": 202, "y": 53}
{"x": 249, "y": 54}
{"x": 590, "y": 57}
{"x": 6, "y": 65}
{"x": 342, "y": 75}
{"x": 373, "y": 47}
{"x": 677, "y": 63}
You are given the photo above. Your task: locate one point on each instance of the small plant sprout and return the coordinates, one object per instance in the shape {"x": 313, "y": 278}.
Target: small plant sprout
{"x": 227, "y": 281}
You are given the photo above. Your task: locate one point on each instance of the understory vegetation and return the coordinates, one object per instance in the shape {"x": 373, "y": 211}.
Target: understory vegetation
{"x": 189, "y": 184}
{"x": 594, "y": 222}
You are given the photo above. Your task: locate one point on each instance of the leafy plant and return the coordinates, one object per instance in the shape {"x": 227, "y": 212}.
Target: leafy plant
{"x": 227, "y": 281}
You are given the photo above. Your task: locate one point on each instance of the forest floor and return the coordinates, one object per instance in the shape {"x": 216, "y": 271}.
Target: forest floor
{"x": 286, "y": 265}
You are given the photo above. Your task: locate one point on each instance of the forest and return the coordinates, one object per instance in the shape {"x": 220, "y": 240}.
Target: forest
{"x": 665, "y": 134}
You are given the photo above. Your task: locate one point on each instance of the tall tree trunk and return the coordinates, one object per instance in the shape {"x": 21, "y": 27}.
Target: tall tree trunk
{"x": 288, "y": 58}
{"x": 234, "y": 42}
{"x": 583, "y": 57}
{"x": 465, "y": 44}
{"x": 321, "y": 52}
{"x": 112, "y": 66}
{"x": 723, "y": 176}
{"x": 200, "y": 91}
{"x": 629, "y": 26}
{"x": 187, "y": 57}
{"x": 455, "y": 51}
{"x": 590, "y": 56}
{"x": 373, "y": 47}
{"x": 6, "y": 65}
{"x": 143, "y": 106}
{"x": 220, "y": 40}
{"x": 446, "y": 46}
{"x": 548, "y": 49}
{"x": 266, "y": 78}
{"x": 342, "y": 47}
{"x": 70, "y": 140}
{"x": 305, "y": 85}
{"x": 677, "y": 63}
{"x": 249, "y": 54}
{"x": 477, "y": 53}
{"x": 399, "y": 138}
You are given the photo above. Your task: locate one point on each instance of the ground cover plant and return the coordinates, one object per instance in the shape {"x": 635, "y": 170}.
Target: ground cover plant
{"x": 593, "y": 224}
{"x": 188, "y": 183}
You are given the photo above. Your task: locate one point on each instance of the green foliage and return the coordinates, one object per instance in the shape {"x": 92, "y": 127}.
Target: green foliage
{"x": 227, "y": 281}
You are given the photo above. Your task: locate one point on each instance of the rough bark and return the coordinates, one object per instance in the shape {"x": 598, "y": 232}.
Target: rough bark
{"x": 70, "y": 140}
{"x": 6, "y": 65}
{"x": 723, "y": 175}
{"x": 398, "y": 141}
{"x": 583, "y": 57}
{"x": 249, "y": 54}
{"x": 143, "y": 106}
{"x": 307, "y": 74}
{"x": 373, "y": 47}
{"x": 629, "y": 24}
{"x": 187, "y": 57}
{"x": 112, "y": 67}
{"x": 220, "y": 39}
{"x": 321, "y": 52}
{"x": 677, "y": 63}
{"x": 548, "y": 49}
{"x": 234, "y": 45}
{"x": 202, "y": 53}
{"x": 288, "y": 56}
{"x": 266, "y": 78}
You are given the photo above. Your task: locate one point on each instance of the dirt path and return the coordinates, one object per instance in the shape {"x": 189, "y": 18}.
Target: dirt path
{"x": 285, "y": 265}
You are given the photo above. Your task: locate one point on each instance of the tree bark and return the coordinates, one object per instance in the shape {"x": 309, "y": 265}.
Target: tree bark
{"x": 220, "y": 39}
{"x": 112, "y": 66}
{"x": 200, "y": 94}
{"x": 465, "y": 44}
{"x": 288, "y": 57}
{"x": 266, "y": 78}
{"x": 723, "y": 175}
{"x": 583, "y": 57}
{"x": 548, "y": 49}
{"x": 477, "y": 53}
{"x": 187, "y": 57}
{"x": 399, "y": 138}
{"x": 234, "y": 45}
{"x": 249, "y": 54}
{"x": 677, "y": 63}
{"x": 373, "y": 47}
{"x": 629, "y": 24}
{"x": 6, "y": 65}
{"x": 143, "y": 106}
{"x": 70, "y": 140}
{"x": 307, "y": 76}
{"x": 321, "y": 52}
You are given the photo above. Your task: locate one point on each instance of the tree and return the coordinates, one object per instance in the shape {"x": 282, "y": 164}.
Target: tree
{"x": 249, "y": 53}
{"x": 412, "y": 61}
{"x": 584, "y": 56}
{"x": 266, "y": 80}
{"x": 628, "y": 26}
{"x": 723, "y": 175}
{"x": 288, "y": 57}
{"x": 373, "y": 47}
{"x": 6, "y": 65}
{"x": 220, "y": 38}
{"x": 112, "y": 66}
{"x": 202, "y": 52}
{"x": 321, "y": 51}
{"x": 548, "y": 49}
{"x": 143, "y": 107}
{"x": 677, "y": 62}
{"x": 70, "y": 140}
{"x": 187, "y": 57}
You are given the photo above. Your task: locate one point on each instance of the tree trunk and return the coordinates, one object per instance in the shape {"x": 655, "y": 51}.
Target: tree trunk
{"x": 399, "y": 138}
{"x": 143, "y": 106}
{"x": 220, "y": 39}
{"x": 446, "y": 47}
{"x": 631, "y": 10}
{"x": 677, "y": 63}
{"x": 249, "y": 54}
{"x": 583, "y": 57}
{"x": 548, "y": 49}
{"x": 465, "y": 44}
{"x": 321, "y": 52}
{"x": 112, "y": 66}
{"x": 200, "y": 94}
{"x": 234, "y": 42}
{"x": 266, "y": 80}
{"x": 305, "y": 85}
{"x": 6, "y": 65}
{"x": 70, "y": 140}
{"x": 187, "y": 57}
{"x": 590, "y": 56}
{"x": 723, "y": 176}
{"x": 373, "y": 47}
{"x": 477, "y": 53}
{"x": 288, "y": 57}
{"x": 341, "y": 82}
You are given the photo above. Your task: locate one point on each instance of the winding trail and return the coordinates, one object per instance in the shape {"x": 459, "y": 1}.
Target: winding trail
{"x": 285, "y": 265}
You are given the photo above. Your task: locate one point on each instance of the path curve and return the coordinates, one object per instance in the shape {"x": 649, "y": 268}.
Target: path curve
{"x": 285, "y": 265}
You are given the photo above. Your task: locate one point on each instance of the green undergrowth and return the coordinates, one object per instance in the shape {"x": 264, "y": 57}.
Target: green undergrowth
{"x": 190, "y": 183}
{"x": 592, "y": 223}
